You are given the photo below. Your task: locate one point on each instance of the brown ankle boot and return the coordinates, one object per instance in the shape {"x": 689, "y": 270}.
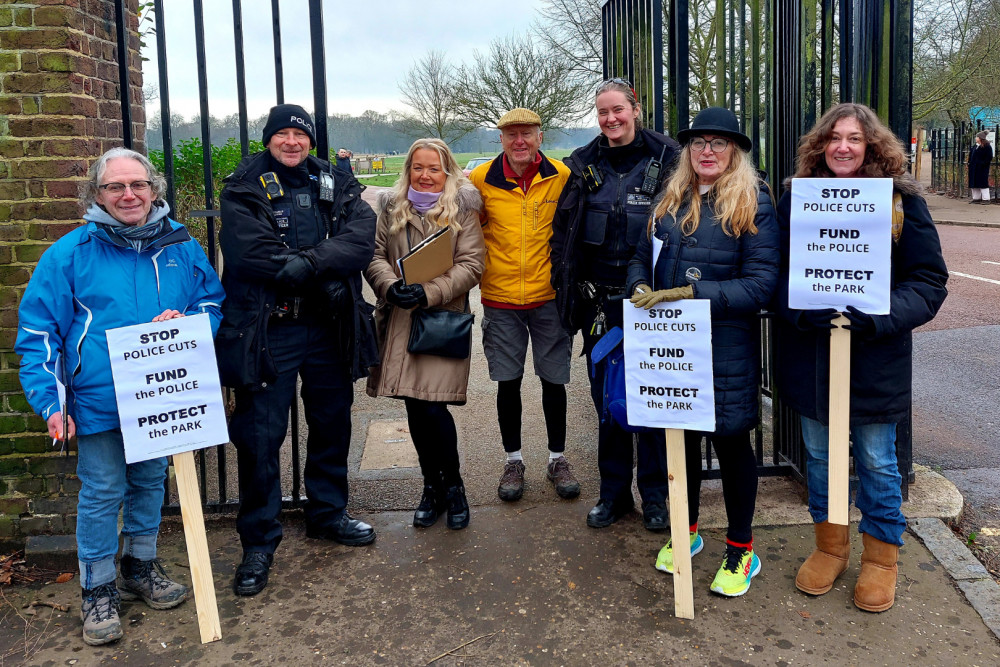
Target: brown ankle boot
{"x": 827, "y": 562}
{"x": 876, "y": 587}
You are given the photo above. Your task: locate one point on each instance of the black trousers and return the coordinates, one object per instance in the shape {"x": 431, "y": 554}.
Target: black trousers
{"x": 436, "y": 441}
{"x": 738, "y": 467}
{"x": 615, "y": 444}
{"x": 260, "y": 423}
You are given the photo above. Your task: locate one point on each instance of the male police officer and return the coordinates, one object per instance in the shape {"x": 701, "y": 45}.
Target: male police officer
{"x": 520, "y": 189}
{"x": 295, "y": 237}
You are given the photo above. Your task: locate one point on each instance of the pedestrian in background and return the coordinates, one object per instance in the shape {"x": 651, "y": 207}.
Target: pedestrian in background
{"x": 602, "y": 214}
{"x": 850, "y": 141}
{"x": 431, "y": 194}
{"x": 127, "y": 265}
{"x": 713, "y": 236}
{"x": 979, "y": 169}
{"x": 344, "y": 160}
{"x": 520, "y": 189}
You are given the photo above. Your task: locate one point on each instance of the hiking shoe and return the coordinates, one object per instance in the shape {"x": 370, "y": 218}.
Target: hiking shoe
{"x": 738, "y": 567}
{"x": 99, "y": 613}
{"x": 147, "y": 580}
{"x": 665, "y": 559}
{"x": 512, "y": 481}
{"x": 561, "y": 476}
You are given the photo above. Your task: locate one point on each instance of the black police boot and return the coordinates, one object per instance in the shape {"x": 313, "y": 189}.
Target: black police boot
{"x": 654, "y": 517}
{"x": 345, "y": 530}
{"x": 432, "y": 503}
{"x": 458, "y": 508}
{"x": 251, "y": 575}
{"x": 606, "y": 513}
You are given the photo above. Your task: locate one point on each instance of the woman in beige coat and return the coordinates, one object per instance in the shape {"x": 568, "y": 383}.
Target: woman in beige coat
{"x": 431, "y": 194}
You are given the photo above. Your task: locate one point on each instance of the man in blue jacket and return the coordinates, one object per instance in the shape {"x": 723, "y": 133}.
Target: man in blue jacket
{"x": 129, "y": 264}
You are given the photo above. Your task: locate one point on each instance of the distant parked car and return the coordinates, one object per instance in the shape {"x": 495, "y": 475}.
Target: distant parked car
{"x": 475, "y": 162}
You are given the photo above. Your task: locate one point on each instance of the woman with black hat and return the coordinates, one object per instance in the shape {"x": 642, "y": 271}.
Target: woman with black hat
{"x": 602, "y": 213}
{"x": 717, "y": 239}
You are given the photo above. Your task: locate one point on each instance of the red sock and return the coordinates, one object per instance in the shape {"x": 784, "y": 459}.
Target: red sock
{"x": 694, "y": 527}
{"x": 747, "y": 546}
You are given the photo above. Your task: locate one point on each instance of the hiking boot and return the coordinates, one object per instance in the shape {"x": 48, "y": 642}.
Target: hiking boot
{"x": 512, "y": 481}
{"x": 146, "y": 579}
{"x": 561, "y": 476}
{"x": 99, "y": 613}
{"x": 665, "y": 559}
{"x": 739, "y": 566}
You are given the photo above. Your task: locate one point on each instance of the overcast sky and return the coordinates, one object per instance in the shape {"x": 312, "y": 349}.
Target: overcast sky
{"x": 370, "y": 45}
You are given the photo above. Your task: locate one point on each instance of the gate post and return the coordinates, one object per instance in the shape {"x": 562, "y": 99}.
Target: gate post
{"x": 59, "y": 110}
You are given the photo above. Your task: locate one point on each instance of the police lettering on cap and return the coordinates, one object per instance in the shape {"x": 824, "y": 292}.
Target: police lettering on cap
{"x": 288, "y": 115}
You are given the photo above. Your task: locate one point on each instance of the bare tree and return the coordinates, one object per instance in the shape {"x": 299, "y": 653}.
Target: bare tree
{"x": 572, "y": 29}
{"x": 516, "y": 73}
{"x": 429, "y": 90}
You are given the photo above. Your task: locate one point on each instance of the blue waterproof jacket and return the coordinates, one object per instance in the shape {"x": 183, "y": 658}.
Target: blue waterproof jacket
{"x": 90, "y": 281}
{"x": 738, "y": 276}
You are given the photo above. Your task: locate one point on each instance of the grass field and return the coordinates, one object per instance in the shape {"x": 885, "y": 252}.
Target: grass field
{"x": 394, "y": 163}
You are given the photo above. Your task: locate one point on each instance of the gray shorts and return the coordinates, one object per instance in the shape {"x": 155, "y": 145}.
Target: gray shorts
{"x": 505, "y": 341}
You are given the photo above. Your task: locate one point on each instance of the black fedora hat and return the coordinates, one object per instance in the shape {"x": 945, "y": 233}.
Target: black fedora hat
{"x": 716, "y": 120}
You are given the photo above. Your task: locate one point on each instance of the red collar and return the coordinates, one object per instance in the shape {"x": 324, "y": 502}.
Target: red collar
{"x": 524, "y": 180}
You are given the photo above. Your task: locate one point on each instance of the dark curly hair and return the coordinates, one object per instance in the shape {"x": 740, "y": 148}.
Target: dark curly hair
{"x": 884, "y": 155}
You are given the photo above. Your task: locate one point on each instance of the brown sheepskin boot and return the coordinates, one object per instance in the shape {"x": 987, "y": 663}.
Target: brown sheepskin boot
{"x": 827, "y": 562}
{"x": 876, "y": 588}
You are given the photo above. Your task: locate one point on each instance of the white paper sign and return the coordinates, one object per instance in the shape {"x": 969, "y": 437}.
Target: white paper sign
{"x": 167, "y": 386}
{"x": 668, "y": 365}
{"x": 840, "y": 244}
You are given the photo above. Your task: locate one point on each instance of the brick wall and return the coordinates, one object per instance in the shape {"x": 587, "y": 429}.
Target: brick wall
{"x": 59, "y": 110}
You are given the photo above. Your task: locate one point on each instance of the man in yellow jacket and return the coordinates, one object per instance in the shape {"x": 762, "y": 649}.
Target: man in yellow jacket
{"x": 520, "y": 189}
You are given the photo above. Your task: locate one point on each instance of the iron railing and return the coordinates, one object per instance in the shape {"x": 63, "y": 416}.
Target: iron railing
{"x": 950, "y": 149}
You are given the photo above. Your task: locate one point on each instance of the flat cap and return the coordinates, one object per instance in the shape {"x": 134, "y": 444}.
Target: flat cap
{"x": 519, "y": 116}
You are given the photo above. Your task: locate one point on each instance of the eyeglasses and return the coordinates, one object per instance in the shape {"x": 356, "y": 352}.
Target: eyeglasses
{"x": 718, "y": 144}
{"x": 118, "y": 189}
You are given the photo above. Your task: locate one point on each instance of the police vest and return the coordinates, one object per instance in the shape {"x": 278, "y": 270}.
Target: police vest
{"x": 617, "y": 214}
{"x": 297, "y": 216}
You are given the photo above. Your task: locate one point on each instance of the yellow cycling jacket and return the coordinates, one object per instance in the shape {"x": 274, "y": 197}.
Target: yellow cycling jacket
{"x": 517, "y": 227}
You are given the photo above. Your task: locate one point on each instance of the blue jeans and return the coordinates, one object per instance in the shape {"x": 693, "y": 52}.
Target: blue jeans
{"x": 879, "y": 496}
{"x": 107, "y": 484}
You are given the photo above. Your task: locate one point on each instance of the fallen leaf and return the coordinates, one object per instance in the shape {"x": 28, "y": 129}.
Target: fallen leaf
{"x": 572, "y": 586}
{"x": 805, "y": 614}
{"x": 64, "y": 577}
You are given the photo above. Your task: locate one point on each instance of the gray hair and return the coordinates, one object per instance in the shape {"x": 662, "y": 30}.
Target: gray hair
{"x": 89, "y": 189}
{"x": 622, "y": 87}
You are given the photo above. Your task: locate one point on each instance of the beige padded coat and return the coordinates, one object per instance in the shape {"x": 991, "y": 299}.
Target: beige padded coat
{"x": 426, "y": 377}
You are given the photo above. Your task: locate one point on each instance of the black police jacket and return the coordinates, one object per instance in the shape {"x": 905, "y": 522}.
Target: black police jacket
{"x": 566, "y": 245}
{"x": 881, "y": 364}
{"x": 249, "y": 239}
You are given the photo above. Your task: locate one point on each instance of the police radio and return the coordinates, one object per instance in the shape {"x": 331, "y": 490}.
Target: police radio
{"x": 651, "y": 177}
{"x": 272, "y": 186}
{"x": 592, "y": 177}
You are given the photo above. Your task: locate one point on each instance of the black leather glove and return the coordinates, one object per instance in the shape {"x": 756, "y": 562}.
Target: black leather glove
{"x": 861, "y": 324}
{"x": 297, "y": 270}
{"x": 402, "y": 295}
{"x": 338, "y": 293}
{"x": 418, "y": 291}
{"x": 816, "y": 319}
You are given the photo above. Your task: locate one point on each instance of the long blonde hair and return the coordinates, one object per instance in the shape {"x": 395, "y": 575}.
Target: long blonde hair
{"x": 445, "y": 211}
{"x": 735, "y": 192}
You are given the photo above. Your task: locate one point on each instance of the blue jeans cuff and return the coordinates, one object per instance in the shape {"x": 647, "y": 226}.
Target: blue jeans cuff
{"x": 142, "y": 547}
{"x": 99, "y": 572}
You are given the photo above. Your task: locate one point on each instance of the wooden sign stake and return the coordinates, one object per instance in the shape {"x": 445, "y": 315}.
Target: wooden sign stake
{"x": 679, "y": 527}
{"x": 197, "y": 546}
{"x": 840, "y": 422}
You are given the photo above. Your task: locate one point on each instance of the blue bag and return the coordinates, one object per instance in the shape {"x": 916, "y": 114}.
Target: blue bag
{"x": 610, "y": 352}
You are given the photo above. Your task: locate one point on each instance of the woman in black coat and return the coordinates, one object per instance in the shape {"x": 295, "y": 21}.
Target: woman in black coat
{"x": 719, "y": 237}
{"x": 979, "y": 169}
{"x": 849, "y": 141}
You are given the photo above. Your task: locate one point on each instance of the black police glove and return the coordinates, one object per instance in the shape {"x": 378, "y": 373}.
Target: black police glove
{"x": 400, "y": 294}
{"x": 297, "y": 270}
{"x": 816, "y": 319}
{"x": 861, "y": 324}
{"x": 338, "y": 293}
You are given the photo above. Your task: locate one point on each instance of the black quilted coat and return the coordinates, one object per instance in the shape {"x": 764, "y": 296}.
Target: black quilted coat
{"x": 738, "y": 277}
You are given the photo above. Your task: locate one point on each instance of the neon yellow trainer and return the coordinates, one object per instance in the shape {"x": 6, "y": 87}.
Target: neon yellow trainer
{"x": 738, "y": 567}
{"x": 665, "y": 559}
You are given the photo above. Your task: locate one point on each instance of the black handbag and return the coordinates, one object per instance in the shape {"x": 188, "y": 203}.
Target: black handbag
{"x": 444, "y": 333}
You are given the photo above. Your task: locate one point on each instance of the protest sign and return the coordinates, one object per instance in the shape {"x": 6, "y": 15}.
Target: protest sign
{"x": 669, "y": 381}
{"x": 840, "y": 243}
{"x": 170, "y": 403}
{"x": 167, "y": 386}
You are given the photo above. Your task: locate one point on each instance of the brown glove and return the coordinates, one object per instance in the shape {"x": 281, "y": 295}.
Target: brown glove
{"x": 650, "y": 299}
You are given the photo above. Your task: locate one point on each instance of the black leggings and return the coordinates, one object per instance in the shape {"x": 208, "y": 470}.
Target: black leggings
{"x": 435, "y": 439}
{"x": 738, "y": 466}
{"x": 509, "y": 414}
